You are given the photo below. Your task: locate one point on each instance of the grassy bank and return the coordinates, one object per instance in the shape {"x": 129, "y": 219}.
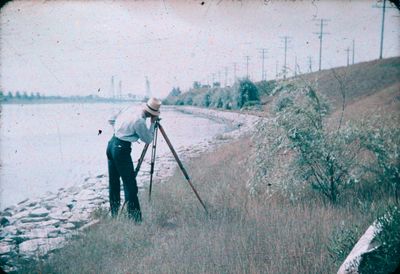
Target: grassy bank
{"x": 243, "y": 234}
{"x": 263, "y": 233}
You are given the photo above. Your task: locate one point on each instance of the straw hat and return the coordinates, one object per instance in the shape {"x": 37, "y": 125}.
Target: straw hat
{"x": 153, "y": 106}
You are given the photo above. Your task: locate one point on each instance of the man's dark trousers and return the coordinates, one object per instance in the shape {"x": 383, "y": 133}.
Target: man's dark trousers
{"x": 120, "y": 165}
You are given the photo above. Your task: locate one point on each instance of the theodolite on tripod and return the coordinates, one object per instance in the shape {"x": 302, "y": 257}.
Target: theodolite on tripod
{"x": 153, "y": 159}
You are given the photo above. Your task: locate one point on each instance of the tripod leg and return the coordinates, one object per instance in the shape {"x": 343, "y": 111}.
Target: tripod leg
{"x": 181, "y": 165}
{"x": 140, "y": 161}
{"x": 153, "y": 160}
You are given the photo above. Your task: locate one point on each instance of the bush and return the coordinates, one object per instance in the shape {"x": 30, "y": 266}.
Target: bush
{"x": 246, "y": 91}
{"x": 265, "y": 87}
{"x": 300, "y": 145}
{"x": 383, "y": 141}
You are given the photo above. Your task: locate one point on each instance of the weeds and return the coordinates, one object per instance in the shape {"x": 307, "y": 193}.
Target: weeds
{"x": 243, "y": 234}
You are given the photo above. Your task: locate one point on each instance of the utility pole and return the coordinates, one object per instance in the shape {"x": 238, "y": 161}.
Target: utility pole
{"x": 383, "y": 28}
{"x": 276, "y": 70}
{"x": 213, "y": 79}
{"x": 234, "y": 72}
{"x": 219, "y": 77}
{"x": 112, "y": 89}
{"x": 353, "y": 53}
{"x": 347, "y": 50}
{"x": 247, "y": 66}
{"x": 384, "y": 7}
{"x": 286, "y": 39}
{"x": 295, "y": 66}
{"x": 120, "y": 89}
{"x": 320, "y": 35}
{"x": 309, "y": 64}
{"x": 263, "y": 56}
{"x": 226, "y": 76}
{"x": 148, "y": 92}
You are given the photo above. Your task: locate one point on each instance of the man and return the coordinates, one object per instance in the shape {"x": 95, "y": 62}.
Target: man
{"x": 129, "y": 126}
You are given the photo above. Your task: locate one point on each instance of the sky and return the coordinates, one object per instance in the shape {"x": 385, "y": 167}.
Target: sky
{"x": 76, "y": 47}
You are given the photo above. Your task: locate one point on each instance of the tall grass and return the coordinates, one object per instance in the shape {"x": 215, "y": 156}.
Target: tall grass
{"x": 242, "y": 235}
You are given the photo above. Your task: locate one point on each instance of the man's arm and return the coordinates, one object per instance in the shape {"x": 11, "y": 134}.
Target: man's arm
{"x": 145, "y": 134}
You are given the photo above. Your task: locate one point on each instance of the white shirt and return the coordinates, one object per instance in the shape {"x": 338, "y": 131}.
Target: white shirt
{"x": 131, "y": 126}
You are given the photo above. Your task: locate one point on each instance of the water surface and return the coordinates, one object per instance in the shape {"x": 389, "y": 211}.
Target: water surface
{"x": 44, "y": 147}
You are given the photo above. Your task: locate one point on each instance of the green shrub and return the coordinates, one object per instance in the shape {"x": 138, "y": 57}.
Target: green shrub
{"x": 265, "y": 87}
{"x": 246, "y": 91}
{"x": 305, "y": 151}
{"x": 383, "y": 141}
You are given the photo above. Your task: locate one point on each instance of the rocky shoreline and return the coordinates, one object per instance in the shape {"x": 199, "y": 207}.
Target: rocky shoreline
{"x": 35, "y": 227}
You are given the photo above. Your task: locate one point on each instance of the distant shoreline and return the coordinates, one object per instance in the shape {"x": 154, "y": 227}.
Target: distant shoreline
{"x": 63, "y": 101}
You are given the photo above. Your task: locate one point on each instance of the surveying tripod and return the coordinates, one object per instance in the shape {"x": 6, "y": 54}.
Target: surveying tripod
{"x": 153, "y": 160}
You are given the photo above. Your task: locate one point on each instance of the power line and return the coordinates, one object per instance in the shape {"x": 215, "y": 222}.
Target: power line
{"x": 320, "y": 35}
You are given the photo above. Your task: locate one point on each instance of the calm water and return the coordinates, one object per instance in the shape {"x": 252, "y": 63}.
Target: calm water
{"x": 44, "y": 147}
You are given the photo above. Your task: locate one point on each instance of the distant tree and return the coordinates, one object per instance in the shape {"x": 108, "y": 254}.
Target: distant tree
{"x": 248, "y": 92}
{"x": 25, "y": 95}
{"x": 216, "y": 84}
{"x": 196, "y": 85}
{"x": 9, "y": 95}
{"x": 38, "y": 96}
{"x": 18, "y": 95}
{"x": 175, "y": 92}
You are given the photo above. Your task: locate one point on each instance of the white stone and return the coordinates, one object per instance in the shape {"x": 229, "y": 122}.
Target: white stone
{"x": 23, "y": 201}
{"x": 20, "y": 215}
{"x": 5, "y": 248}
{"x": 40, "y": 212}
{"x": 86, "y": 194}
{"x": 68, "y": 226}
{"x": 34, "y": 219}
{"x": 61, "y": 216}
{"x": 79, "y": 219}
{"x": 30, "y": 246}
{"x": 41, "y": 245}
{"x": 10, "y": 230}
{"x": 40, "y": 232}
{"x": 51, "y": 222}
{"x": 58, "y": 232}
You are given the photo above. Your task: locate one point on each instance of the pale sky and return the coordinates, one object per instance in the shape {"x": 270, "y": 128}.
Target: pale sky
{"x": 74, "y": 47}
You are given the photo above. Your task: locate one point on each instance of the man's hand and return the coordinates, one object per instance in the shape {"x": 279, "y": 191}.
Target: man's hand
{"x": 154, "y": 119}
{"x": 111, "y": 122}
